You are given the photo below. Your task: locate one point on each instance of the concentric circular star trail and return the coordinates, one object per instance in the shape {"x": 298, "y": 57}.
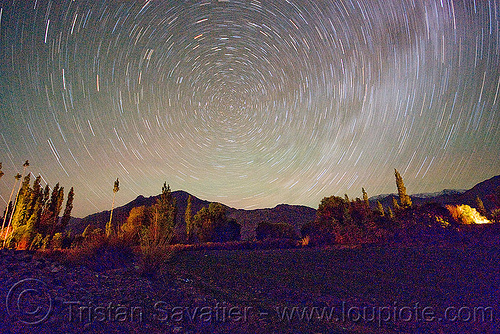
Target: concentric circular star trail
{"x": 246, "y": 102}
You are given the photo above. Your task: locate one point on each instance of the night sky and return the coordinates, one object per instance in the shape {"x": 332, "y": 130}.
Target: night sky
{"x": 249, "y": 103}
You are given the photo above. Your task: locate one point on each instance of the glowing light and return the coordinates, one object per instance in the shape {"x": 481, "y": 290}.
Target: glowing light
{"x": 467, "y": 215}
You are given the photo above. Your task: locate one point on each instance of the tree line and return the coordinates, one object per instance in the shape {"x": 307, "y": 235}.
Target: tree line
{"x": 31, "y": 220}
{"x": 209, "y": 224}
{"x": 340, "y": 220}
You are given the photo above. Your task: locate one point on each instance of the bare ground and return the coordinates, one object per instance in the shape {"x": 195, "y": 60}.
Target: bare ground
{"x": 361, "y": 290}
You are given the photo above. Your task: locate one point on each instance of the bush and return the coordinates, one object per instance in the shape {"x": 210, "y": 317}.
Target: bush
{"x": 212, "y": 224}
{"x": 319, "y": 232}
{"x": 98, "y": 252}
{"x": 265, "y": 230}
{"x": 304, "y": 242}
{"x": 155, "y": 254}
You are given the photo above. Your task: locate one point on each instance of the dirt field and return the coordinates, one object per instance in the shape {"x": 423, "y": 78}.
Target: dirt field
{"x": 363, "y": 290}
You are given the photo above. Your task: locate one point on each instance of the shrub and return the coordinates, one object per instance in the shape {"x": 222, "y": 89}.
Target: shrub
{"x": 304, "y": 242}
{"x": 265, "y": 230}
{"x": 319, "y": 232}
{"x": 212, "y": 224}
{"x": 155, "y": 254}
{"x": 495, "y": 215}
{"x": 56, "y": 242}
{"x": 100, "y": 253}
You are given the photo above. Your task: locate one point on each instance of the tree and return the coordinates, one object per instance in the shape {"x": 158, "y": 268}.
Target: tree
{"x": 138, "y": 219}
{"x": 395, "y": 205}
{"x": 163, "y": 218}
{"x": 35, "y": 216}
{"x": 9, "y": 208}
{"x": 347, "y": 198}
{"x": 231, "y": 231}
{"x": 2, "y": 174}
{"x": 33, "y": 210}
{"x": 67, "y": 210}
{"x": 19, "y": 209}
{"x": 116, "y": 188}
{"x": 266, "y": 230}
{"x": 49, "y": 206}
{"x": 188, "y": 218}
{"x": 332, "y": 218}
{"x": 19, "y": 213}
{"x": 380, "y": 209}
{"x": 166, "y": 211}
{"x": 213, "y": 225}
{"x": 25, "y": 165}
{"x": 390, "y": 213}
{"x": 403, "y": 197}
{"x": 88, "y": 230}
{"x": 359, "y": 213}
{"x": 334, "y": 209}
{"x": 365, "y": 198}
{"x": 54, "y": 208}
{"x": 480, "y": 206}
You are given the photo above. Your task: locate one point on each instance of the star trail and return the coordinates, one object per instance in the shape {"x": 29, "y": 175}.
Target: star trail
{"x": 249, "y": 103}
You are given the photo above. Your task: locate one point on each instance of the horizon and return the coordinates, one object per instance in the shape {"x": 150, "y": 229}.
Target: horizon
{"x": 273, "y": 206}
{"x": 249, "y": 104}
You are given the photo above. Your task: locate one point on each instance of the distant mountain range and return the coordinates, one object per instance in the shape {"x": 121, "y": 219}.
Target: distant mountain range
{"x": 439, "y": 194}
{"x": 295, "y": 215}
{"x": 485, "y": 190}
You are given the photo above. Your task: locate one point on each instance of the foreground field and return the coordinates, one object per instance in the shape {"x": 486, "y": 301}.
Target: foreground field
{"x": 362, "y": 290}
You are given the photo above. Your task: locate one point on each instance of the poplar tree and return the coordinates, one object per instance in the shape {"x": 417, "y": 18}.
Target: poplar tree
{"x": 163, "y": 217}
{"x": 55, "y": 205}
{"x": 116, "y": 188}
{"x": 380, "y": 209}
{"x": 395, "y": 205}
{"x": 480, "y": 206}
{"x": 14, "y": 207}
{"x": 25, "y": 165}
{"x": 67, "y": 210}
{"x": 20, "y": 207}
{"x": 167, "y": 211}
{"x": 18, "y": 210}
{"x": 9, "y": 208}
{"x": 365, "y": 198}
{"x": 33, "y": 212}
{"x": 188, "y": 218}
{"x": 346, "y": 197}
{"x": 46, "y": 213}
{"x": 403, "y": 197}
{"x": 35, "y": 198}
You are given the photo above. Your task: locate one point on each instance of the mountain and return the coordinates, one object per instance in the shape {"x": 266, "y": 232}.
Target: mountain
{"x": 486, "y": 190}
{"x": 446, "y": 196}
{"x": 295, "y": 215}
{"x": 442, "y": 193}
